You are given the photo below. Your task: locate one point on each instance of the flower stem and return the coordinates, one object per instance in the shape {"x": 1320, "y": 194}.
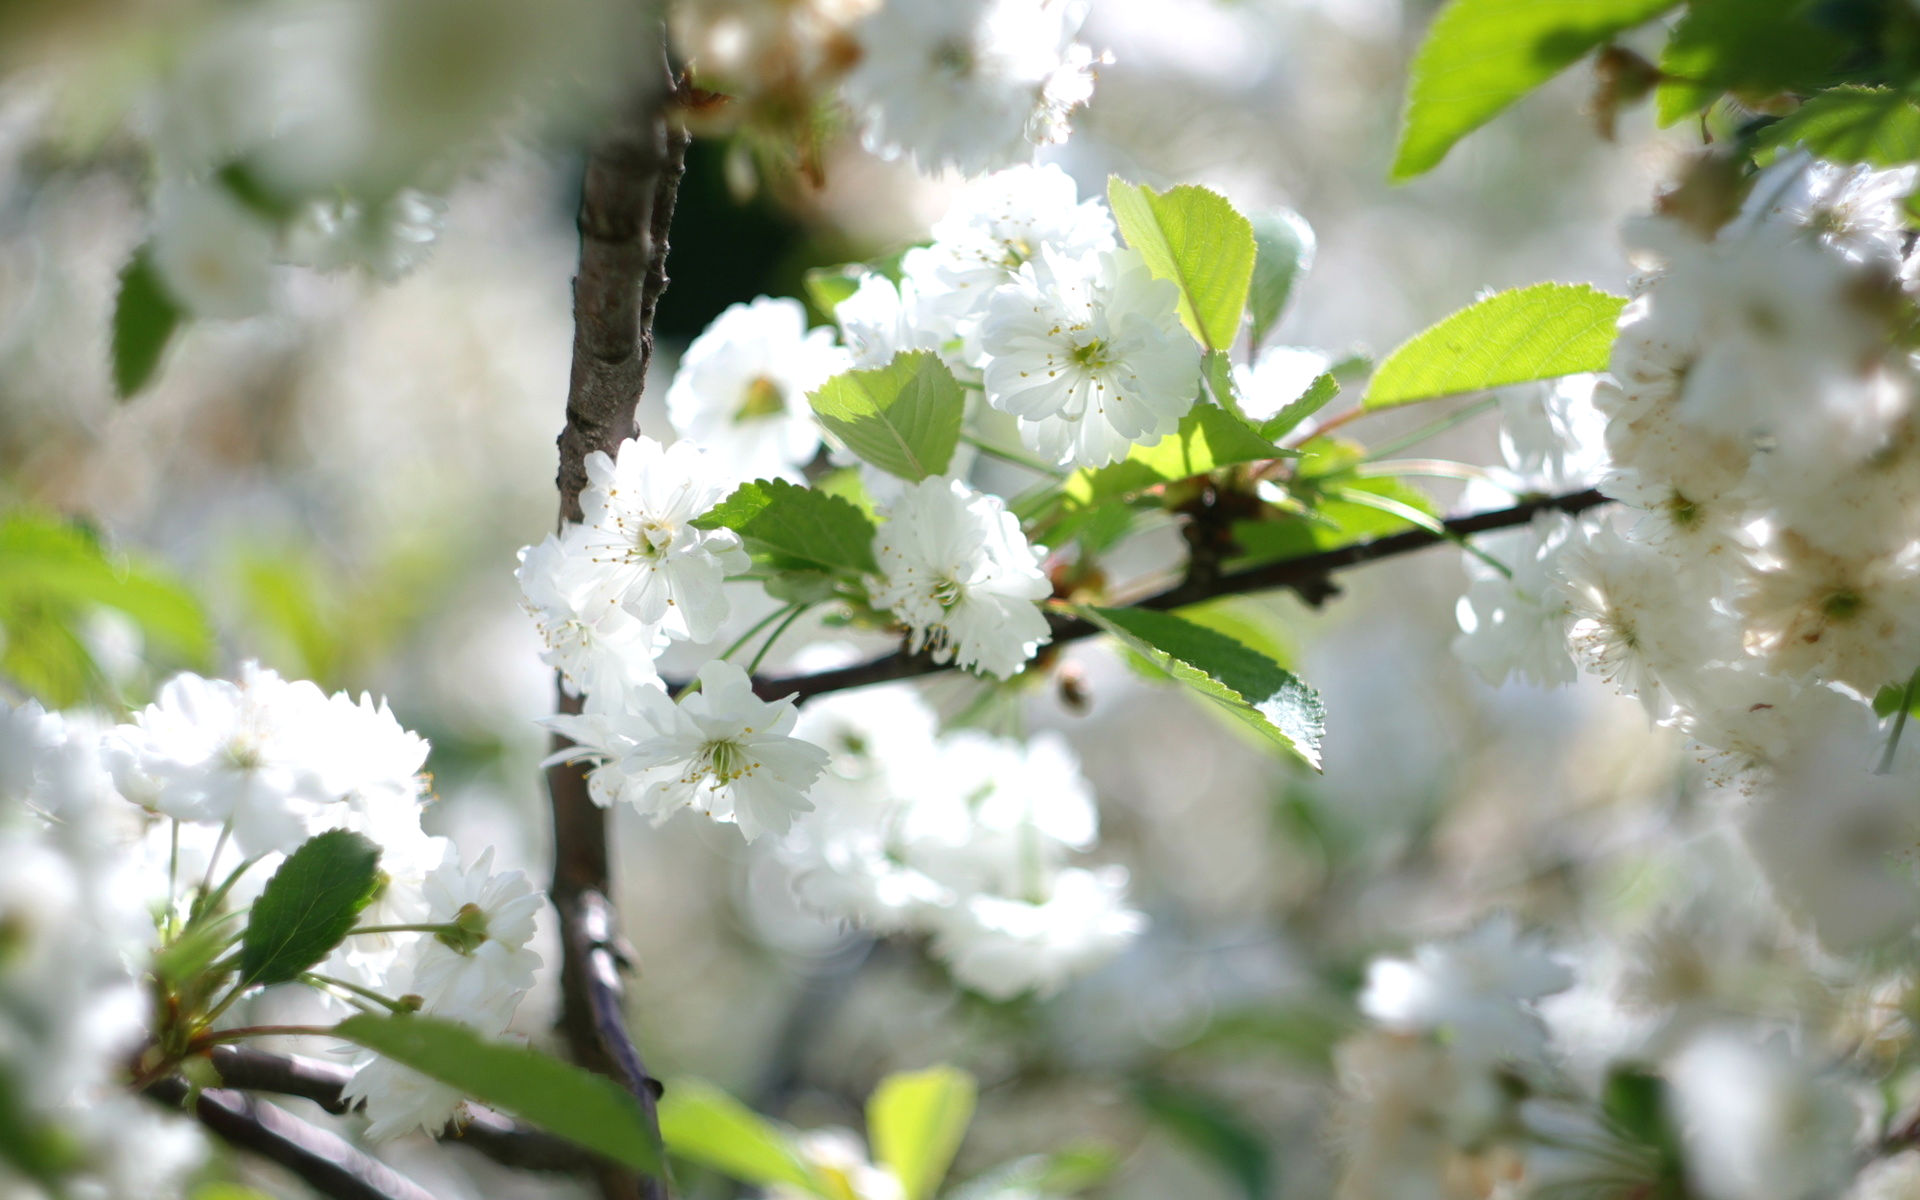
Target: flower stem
{"x": 773, "y": 637}
{"x": 1432, "y": 428}
{"x": 319, "y": 980}
{"x": 1015, "y": 457}
{"x": 1431, "y": 524}
{"x": 442, "y": 927}
{"x": 1899, "y": 726}
{"x": 762, "y": 623}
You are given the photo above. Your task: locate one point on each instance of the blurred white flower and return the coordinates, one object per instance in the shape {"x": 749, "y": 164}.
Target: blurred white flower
{"x": 1475, "y": 991}
{"x": 214, "y": 256}
{"x": 1758, "y": 1123}
{"x": 1090, "y": 355}
{"x": 968, "y": 84}
{"x": 1516, "y": 625}
{"x": 1856, "y": 208}
{"x": 955, "y": 568}
{"x": 1002, "y": 946}
{"x": 741, "y": 388}
{"x": 639, "y": 510}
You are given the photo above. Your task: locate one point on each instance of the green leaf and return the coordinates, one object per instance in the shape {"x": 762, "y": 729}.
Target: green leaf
{"x": 1212, "y": 1129}
{"x": 1849, "y": 124}
{"x": 586, "y": 1109}
{"x": 903, "y": 418}
{"x": 144, "y": 318}
{"x": 1482, "y": 55}
{"x": 1318, "y": 395}
{"x": 53, "y": 565}
{"x": 916, "y": 1120}
{"x": 1539, "y": 332}
{"x": 797, "y": 528}
{"x": 1259, "y": 692}
{"x": 1074, "y": 1169}
{"x": 1285, "y": 245}
{"x": 1755, "y": 48}
{"x": 827, "y": 287}
{"x": 1218, "y": 366}
{"x": 702, "y": 1124}
{"x": 1208, "y": 438}
{"x": 308, "y": 906}
{"x": 1193, "y": 237}
{"x": 1333, "y": 522}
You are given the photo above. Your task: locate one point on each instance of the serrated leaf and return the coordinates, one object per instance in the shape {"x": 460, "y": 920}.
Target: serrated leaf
{"x": 1850, "y": 124}
{"x": 1208, "y": 438}
{"x": 797, "y": 528}
{"x": 578, "y": 1105}
{"x": 1195, "y": 238}
{"x": 60, "y": 567}
{"x": 1480, "y": 56}
{"x": 916, "y": 1121}
{"x": 309, "y": 906}
{"x": 1262, "y": 694}
{"x": 1539, "y": 332}
{"x": 1318, "y": 395}
{"x": 144, "y": 318}
{"x": 1749, "y": 47}
{"x": 903, "y": 418}
{"x": 1284, "y": 246}
{"x": 702, "y": 1124}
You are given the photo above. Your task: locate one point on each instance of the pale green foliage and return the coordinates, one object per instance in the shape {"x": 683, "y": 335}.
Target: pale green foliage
{"x": 1284, "y": 244}
{"x": 580, "y": 1106}
{"x": 915, "y": 1121}
{"x": 1193, "y": 237}
{"x": 903, "y": 418}
{"x": 702, "y": 1124}
{"x": 1849, "y": 124}
{"x": 1539, "y": 332}
{"x": 1482, "y": 55}
{"x": 1208, "y": 438}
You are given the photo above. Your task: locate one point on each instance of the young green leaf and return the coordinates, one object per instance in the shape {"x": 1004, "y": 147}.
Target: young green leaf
{"x": 1849, "y": 124}
{"x": 702, "y": 1124}
{"x": 144, "y": 318}
{"x": 1193, "y": 237}
{"x": 1539, "y": 332}
{"x": 797, "y": 528}
{"x": 1756, "y": 48}
{"x": 1318, "y": 395}
{"x": 1257, "y": 691}
{"x": 1208, "y": 438}
{"x": 1482, "y": 55}
{"x": 903, "y": 418}
{"x": 916, "y": 1120}
{"x": 587, "y": 1109}
{"x": 1284, "y": 245}
{"x": 827, "y": 287}
{"x": 308, "y": 906}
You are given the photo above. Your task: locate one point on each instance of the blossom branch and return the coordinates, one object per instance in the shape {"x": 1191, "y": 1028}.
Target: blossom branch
{"x": 1310, "y": 575}
{"x": 325, "y": 1161}
{"x": 626, "y": 207}
{"x": 493, "y": 1134}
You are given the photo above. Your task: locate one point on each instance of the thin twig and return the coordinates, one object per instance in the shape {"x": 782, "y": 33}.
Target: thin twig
{"x": 325, "y": 1161}
{"x": 493, "y": 1134}
{"x": 1310, "y": 575}
{"x": 631, "y": 181}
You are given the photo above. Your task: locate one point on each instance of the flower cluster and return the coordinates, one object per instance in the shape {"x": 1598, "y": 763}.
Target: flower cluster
{"x": 1761, "y": 584}
{"x": 961, "y": 836}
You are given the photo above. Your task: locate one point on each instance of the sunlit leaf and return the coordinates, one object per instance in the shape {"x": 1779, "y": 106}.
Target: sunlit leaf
{"x": 1539, "y": 332}
{"x": 1195, "y": 238}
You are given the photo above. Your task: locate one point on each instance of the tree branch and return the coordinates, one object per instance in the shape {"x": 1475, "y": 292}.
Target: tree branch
{"x": 493, "y": 1134}
{"x": 1310, "y": 575}
{"x": 325, "y": 1161}
{"x": 627, "y": 196}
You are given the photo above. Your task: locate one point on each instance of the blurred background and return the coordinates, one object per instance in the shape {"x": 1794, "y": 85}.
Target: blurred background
{"x": 344, "y": 478}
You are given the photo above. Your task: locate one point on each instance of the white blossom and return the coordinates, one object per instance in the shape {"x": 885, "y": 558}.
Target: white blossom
{"x": 968, "y": 84}
{"x": 1002, "y": 946}
{"x": 955, "y": 568}
{"x": 741, "y": 388}
{"x": 639, "y": 510}
{"x": 1476, "y": 990}
{"x": 1758, "y": 1123}
{"x": 599, "y": 650}
{"x": 214, "y": 256}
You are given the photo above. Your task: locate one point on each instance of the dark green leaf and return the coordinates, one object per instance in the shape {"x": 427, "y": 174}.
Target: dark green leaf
{"x": 308, "y": 906}
{"x": 1482, "y": 55}
{"x": 1285, "y": 245}
{"x": 1262, "y": 694}
{"x": 703, "y": 1124}
{"x": 1539, "y": 332}
{"x": 1318, "y": 395}
{"x": 587, "y": 1109}
{"x": 915, "y": 1121}
{"x": 1849, "y": 124}
{"x": 1754, "y": 48}
{"x": 1213, "y": 1130}
{"x": 797, "y": 528}
{"x": 1208, "y": 438}
{"x": 1193, "y": 237}
{"x": 903, "y": 418}
{"x": 144, "y": 318}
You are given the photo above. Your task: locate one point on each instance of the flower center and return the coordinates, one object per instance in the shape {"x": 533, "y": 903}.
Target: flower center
{"x": 763, "y": 398}
{"x": 954, "y": 58}
{"x": 727, "y": 761}
{"x": 1096, "y": 355}
{"x": 1843, "y": 604}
